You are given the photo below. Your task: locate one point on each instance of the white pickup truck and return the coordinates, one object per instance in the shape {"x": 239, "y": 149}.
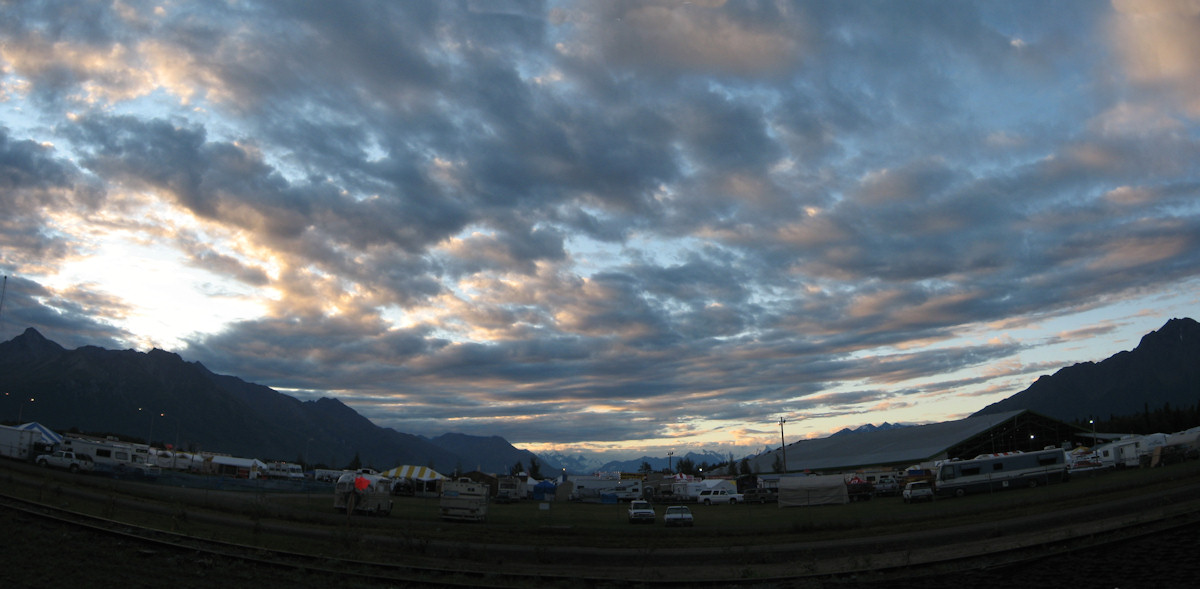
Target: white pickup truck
{"x": 66, "y": 460}
{"x": 641, "y": 512}
{"x": 715, "y": 496}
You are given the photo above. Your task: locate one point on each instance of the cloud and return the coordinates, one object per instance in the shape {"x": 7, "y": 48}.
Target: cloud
{"x": 607, "y": 222}
{"x": 1159, "y": 46}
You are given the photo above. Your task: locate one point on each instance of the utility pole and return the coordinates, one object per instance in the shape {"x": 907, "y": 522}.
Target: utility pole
{"x": 3, "y": 291}
{"x": 783, "y": 443}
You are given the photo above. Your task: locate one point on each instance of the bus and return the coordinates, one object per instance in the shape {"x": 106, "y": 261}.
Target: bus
{"x": 997, "y": 472}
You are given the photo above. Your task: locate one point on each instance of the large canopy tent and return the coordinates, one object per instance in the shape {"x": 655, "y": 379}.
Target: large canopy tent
{"x": 417, "y": 480}
{"x": 48, "y": 436}
{"x": 243, "y": 468}
{"x": 416, "y": 473}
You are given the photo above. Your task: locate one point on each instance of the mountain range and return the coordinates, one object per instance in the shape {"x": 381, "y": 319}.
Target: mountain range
{"x": 159, "y": 396}
{"x": 1163, "y": 369}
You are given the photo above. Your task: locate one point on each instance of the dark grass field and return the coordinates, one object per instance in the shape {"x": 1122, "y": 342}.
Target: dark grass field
{"x": 34, "y": 553}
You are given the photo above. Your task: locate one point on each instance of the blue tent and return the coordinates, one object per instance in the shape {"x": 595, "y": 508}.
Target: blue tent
{"x": 48, "y": 435}
{"x": 542, "y": 490}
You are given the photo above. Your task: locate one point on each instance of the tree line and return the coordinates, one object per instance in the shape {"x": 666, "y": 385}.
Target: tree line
{"x": 1165, "y": 419}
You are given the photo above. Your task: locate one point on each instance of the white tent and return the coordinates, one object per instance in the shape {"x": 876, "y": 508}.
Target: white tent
{"x": 812, "y": 490}
{"x": 233, "y": 466}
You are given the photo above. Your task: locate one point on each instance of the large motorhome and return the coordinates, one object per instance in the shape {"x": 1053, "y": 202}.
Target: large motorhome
{"x": 285, "y": 470}
{"x": 994, "y": 472}
{"x": 598, "y": 487}
{"x": 113, "y": 457}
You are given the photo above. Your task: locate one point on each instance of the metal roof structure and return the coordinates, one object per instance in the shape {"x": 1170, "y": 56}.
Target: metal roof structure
{"x": 906, "y": 446}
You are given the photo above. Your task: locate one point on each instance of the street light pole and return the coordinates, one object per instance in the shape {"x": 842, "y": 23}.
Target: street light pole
{"x": 783, "y": 443}
{"x": 670, "y": 453}
{"x": 150, "y": 438}
{"x": 21, "y": 411}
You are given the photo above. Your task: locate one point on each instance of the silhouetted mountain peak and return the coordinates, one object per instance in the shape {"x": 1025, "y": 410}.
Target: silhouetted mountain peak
{"x": 1163, "y": 369}
{"x": 31, "y": 343}
{"x": 1176, "y": 332}
{"x": 159, "y": 396}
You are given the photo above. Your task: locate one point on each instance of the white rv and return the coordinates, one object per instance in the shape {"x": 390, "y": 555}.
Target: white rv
{"x": 597, "y": 487}
{"x": 285, "y": 470}
{"x": 994, "y": 472}
{"x": 113, "y": 457}
{"x": 690, "y": 490}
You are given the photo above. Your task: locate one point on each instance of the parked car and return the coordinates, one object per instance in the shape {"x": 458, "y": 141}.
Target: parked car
{"x": 714, "y": 496}
{"x": 761, "y": 495}
{"x": 678, "y": 515}
{"x": 640, "y": 512}
{"x": 918, "y": 491}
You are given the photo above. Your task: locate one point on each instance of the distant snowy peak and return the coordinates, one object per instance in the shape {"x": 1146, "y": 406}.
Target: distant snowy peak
{"x": 571, "y": 463}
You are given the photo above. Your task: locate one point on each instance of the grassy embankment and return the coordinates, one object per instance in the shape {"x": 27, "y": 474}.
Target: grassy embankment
{"x": 578, "y": 524}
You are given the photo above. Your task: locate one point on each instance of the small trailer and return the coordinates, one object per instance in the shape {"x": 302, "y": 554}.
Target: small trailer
{"x": 363, "y": 493}
{"x": 464, "y": 499}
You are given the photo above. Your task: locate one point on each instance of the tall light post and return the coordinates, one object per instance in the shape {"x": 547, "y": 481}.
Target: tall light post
{"x": 670, "y": 453}
{"x": 783, "y": 443}
{"x": 150, "y": 438}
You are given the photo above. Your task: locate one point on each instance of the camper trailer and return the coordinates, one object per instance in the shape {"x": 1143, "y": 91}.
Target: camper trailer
{"x": 464, "y": 499}
{"x": 361, "y": 493}
{"x": 512, "y": 488}
{"x": 1127, "y": 452}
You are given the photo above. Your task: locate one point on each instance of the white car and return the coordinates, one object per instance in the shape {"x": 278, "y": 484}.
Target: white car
{"x": 918, "y": 491}
{"x": 678, "y": 515}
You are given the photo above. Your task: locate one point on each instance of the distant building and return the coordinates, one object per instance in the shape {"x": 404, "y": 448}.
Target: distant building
{"x": 903, "y": 447}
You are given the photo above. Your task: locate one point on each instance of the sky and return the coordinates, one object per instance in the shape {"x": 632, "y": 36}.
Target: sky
{"x": 605, "y": 227}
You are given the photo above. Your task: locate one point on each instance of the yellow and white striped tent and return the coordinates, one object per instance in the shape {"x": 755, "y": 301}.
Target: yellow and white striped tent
{"x": 416, "y": 473}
